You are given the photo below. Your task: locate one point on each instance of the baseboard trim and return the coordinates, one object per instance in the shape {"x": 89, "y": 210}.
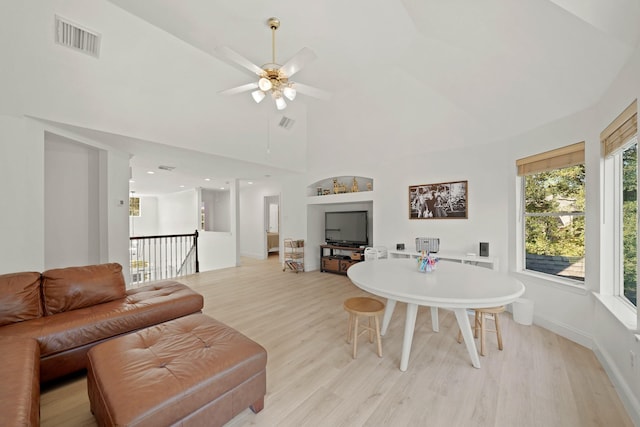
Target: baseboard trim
{"x": 629, "y": 401}
{"x": 253, "y": 255}
{"x": 566, "y": 331}
{"x": 626, "y": 395}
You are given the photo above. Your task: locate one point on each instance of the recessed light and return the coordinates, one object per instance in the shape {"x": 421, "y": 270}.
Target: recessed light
{"x": 250, "y": 182}
{"x": 182, "y": 186}
{"x": 150, "y": 172}
{"x": 207, "y": 179}
{"x": 222, "y": 188}
{"x": 131, "y": 181}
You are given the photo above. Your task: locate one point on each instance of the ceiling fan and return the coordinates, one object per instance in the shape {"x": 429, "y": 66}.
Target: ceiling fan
{"x": 273, "y": 78}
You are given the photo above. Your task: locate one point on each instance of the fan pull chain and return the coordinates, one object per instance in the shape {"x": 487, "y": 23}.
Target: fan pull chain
{"x": 268, "y": 134}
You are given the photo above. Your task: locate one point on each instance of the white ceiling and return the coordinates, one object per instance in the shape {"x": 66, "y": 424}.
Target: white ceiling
{"x": 475, "y": 71}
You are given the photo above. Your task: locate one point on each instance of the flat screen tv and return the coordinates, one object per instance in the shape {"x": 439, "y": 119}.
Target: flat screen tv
{"x": 346, "y": 228}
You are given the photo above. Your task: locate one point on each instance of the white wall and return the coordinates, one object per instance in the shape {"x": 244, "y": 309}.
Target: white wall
{"x": 217, "y": 209}
{"x": 216, "y": 250}
{"x": 72, "y": 226}
{"x": 178, "y": 212}
{"x": 252, "y": 216}
{"x": 614, "y": 340}
{"x": 147, "y": 223}
{"x": 22, "y": 160}
{"x": 22, "y": 193}
{"x": 485, "y": 170}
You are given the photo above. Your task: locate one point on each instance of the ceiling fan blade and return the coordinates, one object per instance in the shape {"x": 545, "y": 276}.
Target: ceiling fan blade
{"x": 239, "y": 89}
{"x": 299, "y": 60}
{"x": 224, "y": 52}
{"x": 312, "y": 91}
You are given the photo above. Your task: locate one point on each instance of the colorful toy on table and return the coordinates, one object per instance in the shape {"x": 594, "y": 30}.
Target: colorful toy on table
{"x": 426, "y": 263}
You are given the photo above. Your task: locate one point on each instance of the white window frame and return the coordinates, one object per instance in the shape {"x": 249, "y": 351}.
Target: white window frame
{"x": 618, "y": 258}
{"x": 522, "y": 267}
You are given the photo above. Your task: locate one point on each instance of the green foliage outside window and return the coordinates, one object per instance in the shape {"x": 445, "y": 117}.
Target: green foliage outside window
{"x": 554, "y": 217}
{"x": 630, "y": 221}
{"x": 556, "y": 192}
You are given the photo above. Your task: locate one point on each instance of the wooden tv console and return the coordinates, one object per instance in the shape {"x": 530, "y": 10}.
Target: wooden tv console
{"x": 338, "y": 259}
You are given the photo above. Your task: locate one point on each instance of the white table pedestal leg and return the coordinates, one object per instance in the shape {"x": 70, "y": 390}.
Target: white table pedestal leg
{"x": 409, "y": 326}
{"x": 435, "y": 323}
{"x": 463, "y": 322}
{"x": 386, "y": 318}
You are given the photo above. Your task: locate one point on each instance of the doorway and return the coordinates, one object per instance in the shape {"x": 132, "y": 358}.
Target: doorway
{"x": 272, "y": 226}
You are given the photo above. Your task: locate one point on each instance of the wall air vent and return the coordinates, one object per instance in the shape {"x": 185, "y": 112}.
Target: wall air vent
{"x": 75, "y": 37}
{"x": 286, "y": 122}
{"x": 166, "y": 168}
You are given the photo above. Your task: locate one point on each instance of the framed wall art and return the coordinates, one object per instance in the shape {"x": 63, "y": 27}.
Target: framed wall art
{"x": 438, "y": 201}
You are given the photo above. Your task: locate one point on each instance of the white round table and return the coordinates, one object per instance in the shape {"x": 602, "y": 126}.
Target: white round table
{"x": 451, "y": 285}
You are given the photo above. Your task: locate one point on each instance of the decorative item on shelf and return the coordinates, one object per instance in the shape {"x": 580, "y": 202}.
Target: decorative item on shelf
{"x": 319, "y": 191}
{"x": 426, "y": 263}
{"x": 354, "y": 186}
{"x": 338, "y": 187}
{"x": 369, "y": 186}
{"x": 429, "y": 244}
{"x": 326, "y": 192}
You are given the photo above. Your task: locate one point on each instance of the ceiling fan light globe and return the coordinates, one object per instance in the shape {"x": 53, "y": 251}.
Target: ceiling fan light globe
{"x": 290, "y": 93}
{"x": 258, "y": 96}
{"x": 264, "y": 84}
{"x": 280, "y": 103}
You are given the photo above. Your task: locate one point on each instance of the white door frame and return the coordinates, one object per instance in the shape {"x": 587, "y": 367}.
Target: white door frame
{"x": 266, "y": 210}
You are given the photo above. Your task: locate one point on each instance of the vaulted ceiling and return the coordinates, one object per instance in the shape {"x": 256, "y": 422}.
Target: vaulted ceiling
{"x": 464, "y": 71}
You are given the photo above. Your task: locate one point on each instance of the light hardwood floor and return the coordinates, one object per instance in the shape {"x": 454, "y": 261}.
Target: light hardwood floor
{"x": 540, "y": 379}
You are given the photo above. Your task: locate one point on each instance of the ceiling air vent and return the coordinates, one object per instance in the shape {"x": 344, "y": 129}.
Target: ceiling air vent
{"x": 75, "y": 37}
{"x": 286, "y": 122}
{"x": 166, "y": 168}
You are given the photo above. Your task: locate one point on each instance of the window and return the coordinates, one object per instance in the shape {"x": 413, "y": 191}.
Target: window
{"x": 134, "y": 206}
{"x": 620, "y": 149}
{"x": 629, "y": 221}
{"x": 553, "y": 222}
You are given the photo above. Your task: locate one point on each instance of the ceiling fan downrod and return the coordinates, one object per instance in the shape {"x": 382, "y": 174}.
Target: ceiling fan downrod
{"x": 274, "y": 24}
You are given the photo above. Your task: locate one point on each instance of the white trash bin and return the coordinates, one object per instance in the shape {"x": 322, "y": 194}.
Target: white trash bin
{"x": 523, "y": 311}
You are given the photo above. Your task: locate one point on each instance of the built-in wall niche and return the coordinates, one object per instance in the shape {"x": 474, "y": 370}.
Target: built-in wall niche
{"x": 215, "y": 210}
{"x": 340, "y": 185}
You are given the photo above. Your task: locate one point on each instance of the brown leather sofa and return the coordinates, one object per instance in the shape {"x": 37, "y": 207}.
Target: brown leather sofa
{"x": 68, "y": 311}
{"x": 20, "y": 389}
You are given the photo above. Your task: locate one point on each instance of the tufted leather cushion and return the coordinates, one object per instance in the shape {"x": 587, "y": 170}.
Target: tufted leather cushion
{"x": 19, "y": 297}
{"x": 190, "y": 371}
{"x": 71, "y": 288}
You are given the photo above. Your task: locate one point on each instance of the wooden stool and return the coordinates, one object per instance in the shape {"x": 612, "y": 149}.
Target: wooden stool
{"x": 363, "y": 306}
{"x": 479, "y": 324}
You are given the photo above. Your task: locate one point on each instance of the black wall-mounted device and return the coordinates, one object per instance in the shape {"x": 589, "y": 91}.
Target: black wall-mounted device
{"x": 484, "y": 249}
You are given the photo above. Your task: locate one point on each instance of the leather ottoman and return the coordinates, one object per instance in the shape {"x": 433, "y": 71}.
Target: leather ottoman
{"x": 192, "y": 371}
{"x": 20, "y": 373}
